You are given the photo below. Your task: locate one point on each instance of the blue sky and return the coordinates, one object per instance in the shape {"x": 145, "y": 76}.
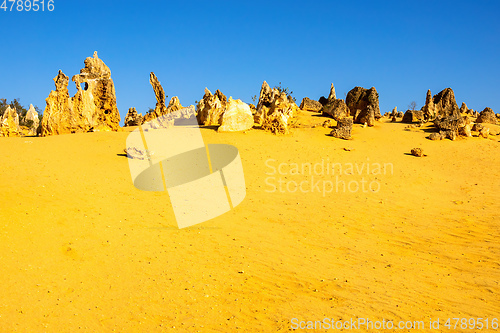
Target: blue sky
{"x": 401, "y": 48}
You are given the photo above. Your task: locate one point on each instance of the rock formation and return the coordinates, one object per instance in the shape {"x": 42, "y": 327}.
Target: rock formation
{"x": 477, "y": 127}
{"x": 441, "y": 105}
{"x": 58, "y": 117}
{"x": 463, "y": 108}
{"x": 93, "y": 108}
{"x": 275, "y": 112}
{"x": 363, "y": 104}
{"x": 418, "y": 152}
{"x": 236, "y": 117}
{"x": 32, "y": 120}
{"x": 452, "y": 126}
{"x": 9, "y": 126}
{"x": 337, "y": 109}
{"x": 174, "y": 105}
{"x": 133, "y": 118}
{"x": 343, "y": 128}
{"x": 211, "y": 108}
{"x": 310, "y": 105}
{"x": 485, "y": 132}
{"x": 436, "y": 136}
{"x": 160, "y": 108}
{"x": 332, "y": 96}
{"x": 429, "y": 109}
{"x": 413, "y": 116}
{"x": 487, "y": 116}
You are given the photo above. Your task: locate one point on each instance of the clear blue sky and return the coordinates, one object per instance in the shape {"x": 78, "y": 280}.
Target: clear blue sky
{"x": 402, "y": 48}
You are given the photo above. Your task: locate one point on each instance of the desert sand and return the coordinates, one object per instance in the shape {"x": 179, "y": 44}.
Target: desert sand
{"x": 82, "y": 249}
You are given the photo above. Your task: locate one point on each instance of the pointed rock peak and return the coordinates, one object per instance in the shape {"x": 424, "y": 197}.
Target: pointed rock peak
{"x": 95, "y": 55}
{"x": 221, "y": 96}
{"x": 208, "y": 92}
{"x": 61, "y": 81}
{"x": 332, "y": 95}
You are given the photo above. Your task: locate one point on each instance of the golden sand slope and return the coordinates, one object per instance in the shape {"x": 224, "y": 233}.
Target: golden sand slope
{"x": 80, "y": 247}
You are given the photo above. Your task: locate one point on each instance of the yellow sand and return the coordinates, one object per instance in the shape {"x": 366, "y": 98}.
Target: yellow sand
{"x": 81, "y": 248}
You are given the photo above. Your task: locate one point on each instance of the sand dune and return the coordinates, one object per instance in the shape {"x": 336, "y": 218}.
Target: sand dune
{"x": 81, "y": 248}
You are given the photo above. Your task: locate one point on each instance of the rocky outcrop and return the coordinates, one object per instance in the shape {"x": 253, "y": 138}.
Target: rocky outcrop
{"x": 435, "y": 136}
{"x": 310, "y": 105}
{"x": 484, "y": 132}
{"x": 9, "y": 126}
{"x": 93, "y": 108}
{"x": 413, "y": 116}
{"x": 32, "y": 121}
{"x": 418, "y": 152}
{"x": 211, "y": 108}
{"x": 445, "y": 104}
{"x": 160, "y": 107}
{"x": 174, "y": 105}
{"x": 332, "y": 96}
{"x": 363, "y": 104}
{"x": 266, "y": 96}
{"x": 337, "y": 109}
{"x": 59, "y": 116}
{"x": 441, "y": 105}
{"x": 275, "y": 112}
{"x": 487, "y": 116}
{"x": 343, "y": 128}
{"x": 451, "y": 127}
{"x": 463, "y": 108}
{"x": 133, "y": 118}
{"x": 236, "y": 117}
{"x": 429, "y": 109}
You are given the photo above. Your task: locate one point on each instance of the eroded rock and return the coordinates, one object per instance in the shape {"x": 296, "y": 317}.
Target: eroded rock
{"x": 441, "y": 105}
{"x": 160, "y": 107}
{"x": 236, "y": 117}
{"x": 487, "y": 116}
{"x": 336, "y": 109}
{"x": 435, "y": 136}
{"x": 463, "y": 108}
{"x": 332, "y": 96}
{"x": 363, "y": 104}
{"x": 93, "y": 108}
{"x": 95, "y": 98}
{"x": 275, "y": 112}
{"x": 418, "y": 152}
{"x": 310, "y": 105}
{"x": 9, "y": 127}
{"x": 413, "y": 116}
{"x": 32, "y": 121}
{"x": 343, "y": 128}
{"x": 133, "y": 118}
{"x": 211, "y": 108}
